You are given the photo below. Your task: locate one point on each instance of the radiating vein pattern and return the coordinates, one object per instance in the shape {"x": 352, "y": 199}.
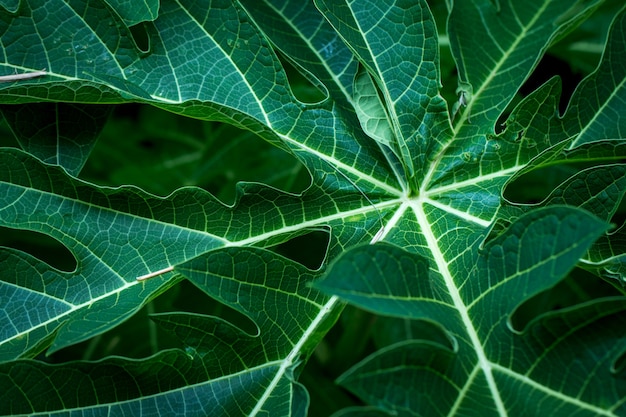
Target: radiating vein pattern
{"x": 481, "y": 291}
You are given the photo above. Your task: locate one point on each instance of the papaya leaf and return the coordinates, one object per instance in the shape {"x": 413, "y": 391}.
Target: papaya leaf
{"x": 490, "y": 358}
{"x": 426, "y": 204}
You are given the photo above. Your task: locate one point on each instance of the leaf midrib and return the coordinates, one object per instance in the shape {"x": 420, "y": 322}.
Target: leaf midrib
{"x": 126, "y": 285}
{"x": 74, "y": 307}
{"x": 229, "y": 58}
{"x": 442, "y": 267}
{"x": 294, "y": 354}
{"x": 368, "y": 208}
{"x": 567, "y": 399}
{"x": 342, "y": 167}
{"x": 95, "y": 35}
{"x": 599, "y": 112}
{"x": 496, "y": 69}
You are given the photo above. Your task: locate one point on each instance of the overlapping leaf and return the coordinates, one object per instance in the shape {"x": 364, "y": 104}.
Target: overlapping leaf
{"x": 251, "y": 88}
{"x": 517, "y": 372}
{"x": 434, "y": 185}
{"x": 441, "y": 286}
{"x": 120, "y": 235}
{"x": 403, "y": 58}
{"x": 222, "y": 370}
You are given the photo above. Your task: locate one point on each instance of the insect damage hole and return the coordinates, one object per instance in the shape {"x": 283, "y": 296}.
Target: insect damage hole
{"x": 308, "y": 249}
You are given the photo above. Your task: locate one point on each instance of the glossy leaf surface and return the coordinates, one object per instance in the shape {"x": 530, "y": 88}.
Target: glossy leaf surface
{"x": 434, "y": 183}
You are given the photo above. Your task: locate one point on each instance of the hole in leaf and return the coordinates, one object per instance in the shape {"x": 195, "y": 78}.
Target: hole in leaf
{"x": 41, "y": 246}
{"x": 138, "y": 337}
{"x": 129, "y": 111}
{"x": 497, "y": 228}
{"x": 308, "y": 249}
{"x": 578, "y": 287}
{"x": 304, "y": 86}
{"x": 548, "y": 67}
{"x": 7, "y": 138}
{"x": 141, "y": 38}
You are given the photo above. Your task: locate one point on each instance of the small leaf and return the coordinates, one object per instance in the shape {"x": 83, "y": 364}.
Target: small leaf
{"x": 256, "y": 375}
{"x": 371, "y": 111}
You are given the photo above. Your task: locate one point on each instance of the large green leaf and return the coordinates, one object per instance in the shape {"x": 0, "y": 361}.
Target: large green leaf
{"x": 516, "y": 371}
{"x": 389, "y": 161}
{"x": 402, "y": 57}
{"x": 221, "y": 368}
{"x": 165, "y": 232}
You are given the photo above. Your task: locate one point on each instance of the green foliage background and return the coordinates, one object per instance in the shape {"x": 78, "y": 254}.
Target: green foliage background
{"x": 349, "y": 207}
